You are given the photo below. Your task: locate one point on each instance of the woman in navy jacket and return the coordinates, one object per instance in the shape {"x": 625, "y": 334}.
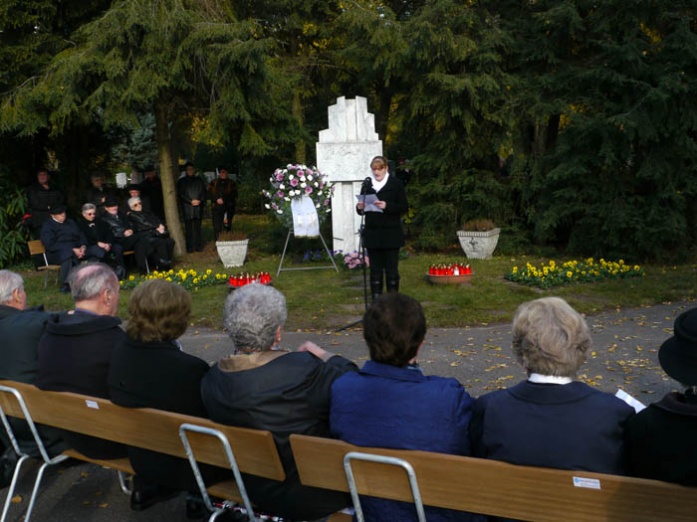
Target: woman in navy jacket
{"x": 390, "y": 403}
{"x": 382, "y": 234}
{"x": 550, "y": 420}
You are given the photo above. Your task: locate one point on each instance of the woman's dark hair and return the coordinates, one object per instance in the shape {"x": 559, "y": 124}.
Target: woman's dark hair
{"x": 394, "y": 327}
{"x": 159, "y": 311}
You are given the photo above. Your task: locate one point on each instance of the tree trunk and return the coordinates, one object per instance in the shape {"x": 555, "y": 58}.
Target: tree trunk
{"x": 168, "y": 175}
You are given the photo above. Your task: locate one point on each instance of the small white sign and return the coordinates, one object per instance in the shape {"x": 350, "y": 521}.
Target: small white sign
{"x": 580, "y": 482}
{"x": 92, "y": 404}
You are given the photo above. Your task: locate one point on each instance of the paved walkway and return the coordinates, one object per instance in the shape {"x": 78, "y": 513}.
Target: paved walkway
{"x": 623, "y": 356}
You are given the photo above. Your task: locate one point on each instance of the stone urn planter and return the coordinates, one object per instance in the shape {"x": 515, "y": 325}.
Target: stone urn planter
{"x": 232, "y": 253}
{"x": 478, "y": 244}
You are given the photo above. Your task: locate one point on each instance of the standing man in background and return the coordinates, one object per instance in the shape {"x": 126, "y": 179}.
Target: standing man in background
{"x": 41, "y": 196}
{"x": 223, "y": 194}
{"x": 191, "y": 192}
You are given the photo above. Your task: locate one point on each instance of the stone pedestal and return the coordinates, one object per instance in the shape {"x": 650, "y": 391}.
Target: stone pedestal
{"x": 344, "y": 152}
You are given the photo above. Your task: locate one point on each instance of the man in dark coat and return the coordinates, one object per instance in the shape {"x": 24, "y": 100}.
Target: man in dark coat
{"x": 100, "y": 240}
{"x": 97, "y": 193}
{"x": 20, "y": 330}
{"x": 191, "y": 191}
{"x": 75, "y": 351}
{"x": 64, "y": 243}
{"x": 125, "y": 236}
{"x": 41, "y": 197}
{"x": 223, "y": 195}
{"x": 263, "y": 386}
{"x": 151, "y": 188}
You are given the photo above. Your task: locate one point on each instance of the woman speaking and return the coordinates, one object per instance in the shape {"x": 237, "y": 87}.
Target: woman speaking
{"x": 382, "y": 234}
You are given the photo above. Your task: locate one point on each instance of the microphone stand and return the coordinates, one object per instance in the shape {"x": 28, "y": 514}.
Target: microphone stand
{"x": 361, "y": 251}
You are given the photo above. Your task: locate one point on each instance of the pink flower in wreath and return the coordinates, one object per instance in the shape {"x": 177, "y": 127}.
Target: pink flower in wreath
{"x": 308, "y": 190}
{"x": 294, "y": 182}
{"x": 279, "y": 175}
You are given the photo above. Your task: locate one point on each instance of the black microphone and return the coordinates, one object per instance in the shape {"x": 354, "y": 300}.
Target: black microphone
{"x": 367, "y": 185}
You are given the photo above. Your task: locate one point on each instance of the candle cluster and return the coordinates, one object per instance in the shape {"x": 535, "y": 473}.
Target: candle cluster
{"x": 453, "y": 269}
{"x": 243, "y": 279}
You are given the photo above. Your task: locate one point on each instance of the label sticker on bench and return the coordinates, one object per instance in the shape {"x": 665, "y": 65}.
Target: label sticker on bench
{"x": 589, "y": 483}
{"x": 92, "y": 404}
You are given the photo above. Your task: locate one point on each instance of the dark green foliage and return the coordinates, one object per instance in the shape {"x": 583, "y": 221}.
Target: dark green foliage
{"x": 12, "y": 231}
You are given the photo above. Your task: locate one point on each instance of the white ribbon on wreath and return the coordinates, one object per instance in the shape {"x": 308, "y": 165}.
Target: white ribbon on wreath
{"x": 305, "y": 219}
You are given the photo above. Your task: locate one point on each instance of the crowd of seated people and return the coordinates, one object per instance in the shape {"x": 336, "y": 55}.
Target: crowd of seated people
{"x": 547, "y": 420}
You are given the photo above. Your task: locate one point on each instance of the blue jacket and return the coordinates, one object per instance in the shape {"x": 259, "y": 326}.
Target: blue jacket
{"x": 570, "y": 426}
{"x": 390, "y": 407}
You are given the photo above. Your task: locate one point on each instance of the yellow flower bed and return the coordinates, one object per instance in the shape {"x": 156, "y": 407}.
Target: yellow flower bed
{"x": 586, "y": 271}
{"x": 188, "y": 278}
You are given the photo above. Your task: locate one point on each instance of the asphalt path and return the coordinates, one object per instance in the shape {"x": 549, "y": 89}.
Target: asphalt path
{"x": 624, "y": 356}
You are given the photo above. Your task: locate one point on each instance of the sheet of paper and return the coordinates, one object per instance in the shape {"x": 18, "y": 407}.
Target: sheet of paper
{"x": 634, "y": 403}
{"x": 369, "y": 200}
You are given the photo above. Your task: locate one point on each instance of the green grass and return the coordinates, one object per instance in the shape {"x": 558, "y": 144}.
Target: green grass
{"x": 324, "y": 299}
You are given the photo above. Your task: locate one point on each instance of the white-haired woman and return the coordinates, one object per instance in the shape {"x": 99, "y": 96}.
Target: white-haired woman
{"x": 264, "y": 386}
{"x": 551, "y": 420}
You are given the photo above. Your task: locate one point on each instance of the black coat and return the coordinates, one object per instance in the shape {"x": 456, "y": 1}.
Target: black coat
{"x": 41, "y": 200}
{"x": 384, "y": 229}
{"x": 118, "y": 225}
{"x": 158, "y": 375}
{"x": 95, "y": 231}
{"x": 152, "y": 190}
{"x": 144, "y": 223}
{"x": 74, "y": 356}
{"x": 662, "y": 440}
{"x": 59, "y": 239}
{"x": 288, "y": 394}
{"x": 188, "y": 189}
{"x": 20, "y": 332}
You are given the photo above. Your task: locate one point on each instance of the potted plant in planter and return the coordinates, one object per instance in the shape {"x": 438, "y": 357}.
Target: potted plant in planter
{"x": 478, "y": 238}
{"x": 232, "y": 248}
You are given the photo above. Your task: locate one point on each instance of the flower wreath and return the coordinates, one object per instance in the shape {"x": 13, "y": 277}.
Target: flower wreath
{"x": 294, "y": 182}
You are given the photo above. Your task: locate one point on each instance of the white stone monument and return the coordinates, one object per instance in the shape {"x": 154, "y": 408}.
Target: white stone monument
{"x": 344, "y": 152}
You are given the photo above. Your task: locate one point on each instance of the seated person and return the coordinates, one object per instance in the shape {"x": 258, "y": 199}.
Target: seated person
{"x": 149, "y": 370}
{"x": 124, "y": 235}
{"x": 100, "y": 240}
{"x": 550, "y": 420}
{"x": 75, "y": 350}
{"x": 390, "y": 403}
{"x": 64, "y": 243}
{"x": 264, "y": 386}
{"x": 662, "y": 437}
{"x": 148, "y": 225}
{"x": 20, "y": 330}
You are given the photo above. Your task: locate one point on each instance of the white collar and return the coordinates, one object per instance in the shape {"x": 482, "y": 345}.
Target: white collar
{"x": 548, "y": 379}
{"x": 377, "y": 185}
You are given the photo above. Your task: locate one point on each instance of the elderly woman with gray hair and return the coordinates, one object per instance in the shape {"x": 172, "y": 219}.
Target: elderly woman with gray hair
{"x": 549, "y": 419}
{"x": 264, "y": 386}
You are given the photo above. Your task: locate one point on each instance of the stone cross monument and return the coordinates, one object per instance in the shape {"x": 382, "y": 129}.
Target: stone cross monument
{"x": 344, "y": 152}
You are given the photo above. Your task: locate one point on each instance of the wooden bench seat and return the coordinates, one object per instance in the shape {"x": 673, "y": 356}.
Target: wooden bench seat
{"x": 254, "y": 450}
{"x": 496, "y": 488}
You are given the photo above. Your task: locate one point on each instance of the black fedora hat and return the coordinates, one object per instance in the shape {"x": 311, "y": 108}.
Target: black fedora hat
{"x": 678, "y": 355}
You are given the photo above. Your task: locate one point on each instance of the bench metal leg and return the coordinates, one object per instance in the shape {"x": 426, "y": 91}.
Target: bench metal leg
{"x": 390, "y": 461}
{"x": 48, "y": 461}
{"x": 183, "y": 435}
{"x": 126, "y": 482}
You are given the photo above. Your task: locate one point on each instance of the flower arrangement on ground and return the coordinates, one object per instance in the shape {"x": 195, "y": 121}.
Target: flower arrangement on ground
{"x": 354, "y": 260}
{"x": 585, "y": 271}
{"x": 189, "y": 279}
{"x": 294, "y": 182}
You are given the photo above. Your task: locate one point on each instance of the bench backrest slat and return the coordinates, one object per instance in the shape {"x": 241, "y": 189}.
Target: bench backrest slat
{"x": 496, "y": 488}
{"x": 146, "y": 428}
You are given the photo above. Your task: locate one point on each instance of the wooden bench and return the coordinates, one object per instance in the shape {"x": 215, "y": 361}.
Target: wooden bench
{"x": 252, "y": 451}
{"x": 495, "y": 488}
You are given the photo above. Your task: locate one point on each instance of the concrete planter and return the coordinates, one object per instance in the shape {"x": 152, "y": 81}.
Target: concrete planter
{"x": 478, "y": 245}
{"x": 232, "y": 253}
